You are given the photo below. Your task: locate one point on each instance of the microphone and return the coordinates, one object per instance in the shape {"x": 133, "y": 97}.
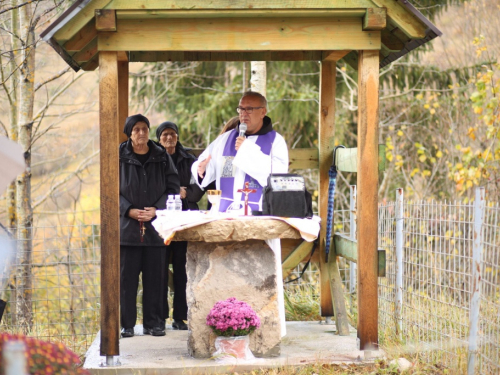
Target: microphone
{"x": 243, "y": 129}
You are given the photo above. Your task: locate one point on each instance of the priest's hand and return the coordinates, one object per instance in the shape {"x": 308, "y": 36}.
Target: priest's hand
{"x": 239, "y": 141}
{"x": 202, "y": 166}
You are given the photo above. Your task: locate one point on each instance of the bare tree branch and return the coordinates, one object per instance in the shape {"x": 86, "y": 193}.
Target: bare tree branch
{"x": 17, "y": 6}
{"x": 54, "y": 77}
{"x": 83, "y": 165}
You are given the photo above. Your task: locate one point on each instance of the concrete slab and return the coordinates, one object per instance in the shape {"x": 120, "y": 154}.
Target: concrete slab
{"x": 305, "y": 342}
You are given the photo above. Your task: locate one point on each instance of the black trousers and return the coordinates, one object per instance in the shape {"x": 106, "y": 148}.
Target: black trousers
{"x": 178, "y": 250}
{"x": 152, "y": 262}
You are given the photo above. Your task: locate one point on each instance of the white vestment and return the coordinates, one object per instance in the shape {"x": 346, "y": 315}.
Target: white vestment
{"x": 249, "y": 160}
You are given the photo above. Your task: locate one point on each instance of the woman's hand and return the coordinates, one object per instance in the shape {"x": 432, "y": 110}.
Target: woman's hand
{"x": 147, "y": 214}
{"x": 142, "y": 215}
{"x": 183, "y": 192}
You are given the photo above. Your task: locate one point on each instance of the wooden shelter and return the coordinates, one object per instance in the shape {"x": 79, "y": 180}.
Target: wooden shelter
{"x": 367, "y": 34}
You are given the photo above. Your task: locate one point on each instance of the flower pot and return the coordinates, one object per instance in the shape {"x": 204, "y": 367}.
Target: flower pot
{"x": 236, "y": 347}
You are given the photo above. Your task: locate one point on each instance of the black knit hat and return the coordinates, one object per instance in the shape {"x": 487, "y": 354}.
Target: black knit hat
{"x": 131, "y": 121}
{"x": 166, "y": 125}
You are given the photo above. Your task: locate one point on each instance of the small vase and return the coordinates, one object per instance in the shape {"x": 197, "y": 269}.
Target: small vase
{"x": 236, "y": 347}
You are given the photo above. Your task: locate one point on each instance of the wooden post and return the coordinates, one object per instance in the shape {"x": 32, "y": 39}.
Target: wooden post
{"x": 332, "y": 296}
{"x": 367, "y": 215}
{"x": 122, "y": 98}
{"x": 326, "y": 145}
{"x": 110, "y": 223}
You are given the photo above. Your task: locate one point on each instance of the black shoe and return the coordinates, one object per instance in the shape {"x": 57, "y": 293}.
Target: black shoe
{"x": 158, "y": 331}
{"x": 147, "y": 331}
{"x": 180, "y": 325}
{"x": 127, "y": 332}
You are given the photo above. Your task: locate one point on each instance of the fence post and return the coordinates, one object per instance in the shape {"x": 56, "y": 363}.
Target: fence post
{"x": 352, "y": 265}
{"x": 477, "y": 250}
{"x": 399, "y": 262}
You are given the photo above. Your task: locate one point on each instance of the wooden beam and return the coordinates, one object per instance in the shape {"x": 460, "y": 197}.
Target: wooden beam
{"x": 92, "y": 64}
{"x": 237, "y": 34}
{"x": 81, "y": 38}
{"x": 110, "y": 214}
{"x": 231, "y": 4}
{"x": 123, "y": 97}
{"x": 303, "y": 158}
{"x": 367, "y": 213}
{"x": 326, "y": 136}
{"x": 288, "y": 245}
{"x": 403, "y": 18}
{"x": 300, "y": 253}
{"x": 391, "y": 41}
{"x": 347, "y": 248}
{"x": 375, "y": 19}
{"x": 231, "y": 13}
{"x": 346, "y": 159}
{"x": 341, "y": 321}
{"x": 153, "y": 56}
{"x": 333, "y": 55}
{"x": 352, "y": 59}
{"x": 79, "y": 20}
{"x": 87, "y": 53}
{"x": 105, "y": 20}
{"x": 122, "y": 56}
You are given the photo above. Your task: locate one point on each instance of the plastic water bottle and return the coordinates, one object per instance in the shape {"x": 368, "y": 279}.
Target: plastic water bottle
{"x": 178, "y": 203}
{"x": 170, "y": 203}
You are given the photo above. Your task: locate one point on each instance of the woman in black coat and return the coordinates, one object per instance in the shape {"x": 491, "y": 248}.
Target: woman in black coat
{"x": 147, "y": 176}
{"x": 168, "y": 136}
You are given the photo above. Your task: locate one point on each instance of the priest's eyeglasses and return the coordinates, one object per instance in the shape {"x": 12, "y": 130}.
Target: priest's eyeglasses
{"x": 248, "y": 110}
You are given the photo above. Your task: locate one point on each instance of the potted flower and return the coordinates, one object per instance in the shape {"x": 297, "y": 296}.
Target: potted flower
{"x": 232, "y": 321}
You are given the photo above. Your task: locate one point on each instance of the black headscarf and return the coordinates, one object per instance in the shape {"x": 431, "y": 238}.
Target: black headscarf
{"x": 131, "y": 121}
{"x": 166, "y": 125}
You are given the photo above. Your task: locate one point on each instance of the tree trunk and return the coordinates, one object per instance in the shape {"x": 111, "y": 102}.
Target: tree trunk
{"x": 258, "y": 79}
{"x": 24, "y": 210}
{"x": 245, "y": 76}
{"x": 11, "y": 191}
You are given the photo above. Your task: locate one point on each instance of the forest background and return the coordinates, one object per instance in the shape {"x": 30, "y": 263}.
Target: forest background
{"x": 439, "y": 110}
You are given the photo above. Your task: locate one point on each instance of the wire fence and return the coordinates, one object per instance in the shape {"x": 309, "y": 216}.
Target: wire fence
{"x": 65, "y": 287}
{"x": 441, "y": 295}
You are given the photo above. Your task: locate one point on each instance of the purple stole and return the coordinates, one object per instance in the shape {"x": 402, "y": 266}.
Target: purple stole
{"x": 227, "y": 177}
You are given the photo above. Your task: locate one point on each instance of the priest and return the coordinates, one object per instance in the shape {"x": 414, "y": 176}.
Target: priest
{"x": 239, "y": 156}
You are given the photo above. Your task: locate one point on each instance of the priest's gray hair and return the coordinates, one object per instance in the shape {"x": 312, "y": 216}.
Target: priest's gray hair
{"x": 258, "y": 95}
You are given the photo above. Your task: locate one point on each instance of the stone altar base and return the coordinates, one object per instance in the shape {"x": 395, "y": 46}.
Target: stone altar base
{"x": 244, "y": 270}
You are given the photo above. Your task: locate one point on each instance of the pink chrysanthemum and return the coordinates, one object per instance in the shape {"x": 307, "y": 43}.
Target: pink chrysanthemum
{"x": 232, "y": 318}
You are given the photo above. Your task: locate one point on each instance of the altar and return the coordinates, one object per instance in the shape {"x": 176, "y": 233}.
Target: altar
{"x": 236, "y": 257}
